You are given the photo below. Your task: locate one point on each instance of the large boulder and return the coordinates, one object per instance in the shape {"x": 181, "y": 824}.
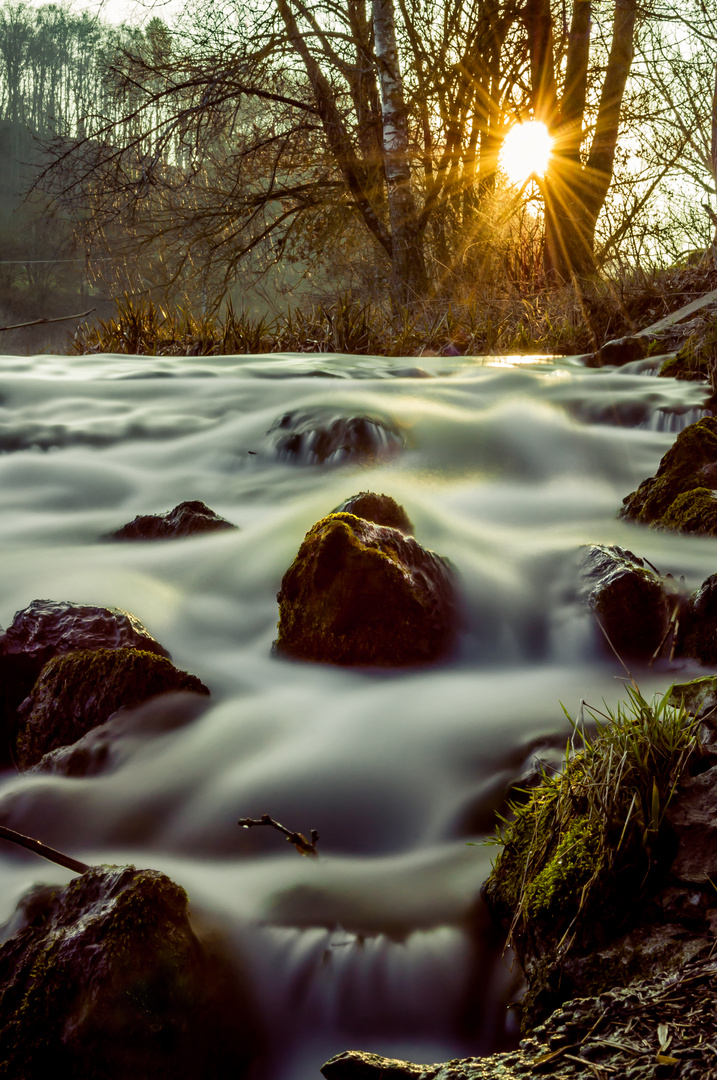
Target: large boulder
{"x": 47, "y": 628}
{"x": 105, "y": 979}
{"x": 362, "y": 593}
{"x": 186, "y": 519}
{"x": 78, "y": 691}
{"x": 636, "y": 607}
{"x": 690, "y": 464}
{"x": 320, "y": 437}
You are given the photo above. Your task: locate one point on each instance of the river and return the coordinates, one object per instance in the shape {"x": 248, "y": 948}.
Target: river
{"x": 506, "y": 466}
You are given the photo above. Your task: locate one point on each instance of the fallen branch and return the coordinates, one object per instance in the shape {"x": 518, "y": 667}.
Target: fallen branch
{"x": 42, "y": 849}
{"x": 302, "y": 845}
{"x": 40, "y": 322}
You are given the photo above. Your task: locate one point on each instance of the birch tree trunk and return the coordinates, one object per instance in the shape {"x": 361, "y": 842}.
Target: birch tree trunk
{"x": 408, "y": 262}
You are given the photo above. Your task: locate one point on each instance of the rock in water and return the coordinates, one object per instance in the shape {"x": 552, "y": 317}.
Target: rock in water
{"x": 362, "y": 593}
{"x": 319, "y": 437}
{"x": 379, "y": 508}
{"x": 633, "y": 604}
{"x": 47, "y": 628}
{"x": 690, "y": 465}
{"x": 186, "y": 519}
{"x": 106, "y": 980}
{"x": 78, "y": 691}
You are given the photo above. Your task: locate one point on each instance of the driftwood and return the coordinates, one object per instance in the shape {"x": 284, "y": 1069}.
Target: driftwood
{"x": 42, "y": 849}
{"x": 41, "y": 322}
{"x": 302, "y": 845}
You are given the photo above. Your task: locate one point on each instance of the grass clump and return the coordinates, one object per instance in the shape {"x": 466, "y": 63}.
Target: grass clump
{"x": 582, "y": 849}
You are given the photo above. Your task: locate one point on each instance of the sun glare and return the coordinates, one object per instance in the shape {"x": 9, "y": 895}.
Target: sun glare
{"x": 526, "y": 150}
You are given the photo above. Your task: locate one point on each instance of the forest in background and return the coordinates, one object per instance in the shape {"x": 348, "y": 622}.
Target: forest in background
{"x": 280, "y": 155}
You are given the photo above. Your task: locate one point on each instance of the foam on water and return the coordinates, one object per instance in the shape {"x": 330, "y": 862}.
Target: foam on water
{"x": 506, "y": 468}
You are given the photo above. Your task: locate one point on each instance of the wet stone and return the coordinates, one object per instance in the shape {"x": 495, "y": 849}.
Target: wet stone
{"x": 689, "y": 464}
{"x": 632, "y": 603}
{"x": 186, "y": 519}
{"x": 48, "y": 628}
{"x": 315, "y": 438}
{"x": 361, "y": 593}
{"x": 381, "y": 509}
{"x": 78, "y": 691}
{"x": 105, "y": 979}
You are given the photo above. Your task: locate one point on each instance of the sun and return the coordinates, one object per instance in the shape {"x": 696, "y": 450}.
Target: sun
{"x": 526, "y": 151}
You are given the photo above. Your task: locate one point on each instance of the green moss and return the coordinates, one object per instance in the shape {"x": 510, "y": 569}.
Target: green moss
{"x": 694, "y": 511}
{"x": 580, "y": 855}
{"x": 688, "y": 464}
{"x": 687, "y": 366}
{"x": 78, "y": 691}
{"x": 570, "y": 868}
{"x": 362, "y": 593}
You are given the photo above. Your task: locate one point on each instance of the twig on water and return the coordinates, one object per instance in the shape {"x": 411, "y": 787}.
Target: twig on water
{"x": 42, "y": 849}
{"x": 302, "y": 845}
{"x": 40, "y": 322}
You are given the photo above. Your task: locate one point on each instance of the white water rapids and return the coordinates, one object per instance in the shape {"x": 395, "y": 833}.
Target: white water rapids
{"x": 507, "y": 467}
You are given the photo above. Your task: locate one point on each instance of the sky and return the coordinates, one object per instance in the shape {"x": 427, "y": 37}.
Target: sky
{"x": 135, "y": 11}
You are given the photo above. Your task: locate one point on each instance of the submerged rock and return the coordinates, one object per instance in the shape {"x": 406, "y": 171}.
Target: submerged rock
{"x": 689, "y": 464}
{"x": 186, "y": 519}
{"x": 106, "y": 980}
{"x": 635, "y": 606}
{"x": 381, "y": 509}
{"x": 311, "y": 437}
{"x": 47, "y": 628}
{"x": 78, "y": 691}
{"x": 362, "y": 593}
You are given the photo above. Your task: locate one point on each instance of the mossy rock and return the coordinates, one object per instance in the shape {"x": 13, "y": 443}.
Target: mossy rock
{"x": 186, "y": 519}
{"x": 381, "y": 509}
{"x": 362, "y": 593}
{"x": 699, "y": 696}
{"x": 47, "y": 628}
{"x": 78, "y": 691}
{"x": 690, "y": 463}
{"x": 686, "y": 367}
{"x": 694, "y": 511}
{"x": 106, "y": 980}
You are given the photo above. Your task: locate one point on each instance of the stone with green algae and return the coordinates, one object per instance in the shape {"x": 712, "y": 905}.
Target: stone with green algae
{"x": 47, "y": 628}
{"x": 362, "y": 593}
{"x": 105, "y": 979}
{"x": 693, "y": 511}
{"x": 689, "y": 464}
{"x": 382, "y": 509}
{"x": 78, "y": 691}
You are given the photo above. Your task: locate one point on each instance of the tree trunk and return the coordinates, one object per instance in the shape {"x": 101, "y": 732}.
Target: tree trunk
{"x": 574, "y": 193}
{"x": 408, "y": 263}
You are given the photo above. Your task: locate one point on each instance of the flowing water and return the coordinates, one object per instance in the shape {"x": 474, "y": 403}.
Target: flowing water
{"x": 506, "y": 467}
